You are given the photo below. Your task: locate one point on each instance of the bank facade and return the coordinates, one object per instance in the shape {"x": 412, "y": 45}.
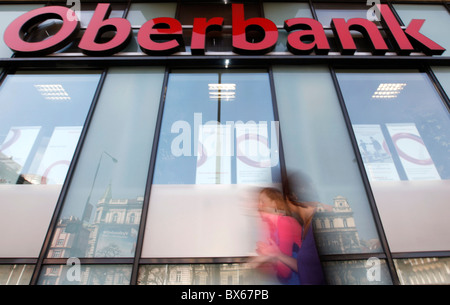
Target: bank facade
{"x": 132, "y": 147}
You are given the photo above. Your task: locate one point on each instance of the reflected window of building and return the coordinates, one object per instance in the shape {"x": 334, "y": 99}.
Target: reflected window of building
{"x": 402, "y": 128}
{"x": 203, "y": 274}
{"x": 423, "y": 271}
{"x": 40, "y": 126}
{"x": 211, "y": 157}
{"x": 15, "y": 274}
{"x": 109, "y": 182}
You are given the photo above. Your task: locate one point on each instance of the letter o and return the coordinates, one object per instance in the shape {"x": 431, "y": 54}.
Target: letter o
{"x": 14, "y": 32}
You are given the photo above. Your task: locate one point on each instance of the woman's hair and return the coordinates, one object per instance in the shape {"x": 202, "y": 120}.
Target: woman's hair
{"x": 277, "y": 196}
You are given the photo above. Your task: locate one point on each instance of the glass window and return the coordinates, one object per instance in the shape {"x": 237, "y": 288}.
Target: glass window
{"x": 15, "y": 274}
{"x": 211, "y": 155}
{"x": 85, "y": 275}
{"x": 8, "y": 13}
{"x": 317, "y": 150}
{"x": 102, "y": 209}
{"x": 372, "y": 271}
{"x": 210, "y": 10}
{"x": 403, "y": 129}
{"x": 327, "y": 11}
{"x": 436, "y": 17}
{"x": 423, "y": 271}
{"x": 279, "y": 12}
{"x": 140, "y": 13}
{"x": 203, "y": 274}
{"x": 42, "y": 119}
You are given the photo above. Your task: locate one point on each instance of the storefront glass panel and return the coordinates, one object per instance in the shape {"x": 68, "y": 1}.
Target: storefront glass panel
{"x": 85, "y": 275}
{"x": 402, "y": 128}
{"x": 437, "y": 21}
{"x": 15, "y": 274}
{"x": 102, "y": 209}
{"x": 43, "y": 114}
{"x": 423, "y": 271}
{"x": 319, "y": 156}
{"x": 217, "y": 146}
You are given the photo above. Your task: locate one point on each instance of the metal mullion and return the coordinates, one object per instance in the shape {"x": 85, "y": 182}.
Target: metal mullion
{"x": 350, "y": 257}
{"x": 313, "y": 10}
{"x": 18, "y": 261}
{"x": 365, "y": 180}
{"x": 437, "y": 85}
{"x": 193, "y": 260}
{"x": 90, "y": 261}
{"x": 151, "y": 169}
{"x": 64, "y": 190}
{"x": 426, "y": 254}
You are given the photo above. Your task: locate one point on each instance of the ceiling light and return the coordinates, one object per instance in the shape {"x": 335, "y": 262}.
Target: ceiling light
{"x": 53, "y": 92}
{"x": 388, "y": 90}
{"x": 223, "y": 91}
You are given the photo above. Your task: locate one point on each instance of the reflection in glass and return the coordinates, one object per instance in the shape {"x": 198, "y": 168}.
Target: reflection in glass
{"x": 423, "y": 271}
{"x": 139, "y": 13}
{"x": 211, "y": 156}
{"x": 279, "y": 12}
{"x": 327, "y": 11}
{"x": 15, "y": 274}
{"x": 403, "y": 129}
{"x": 102, "y": 210}
{"x": 42, "y": 117}
{"x": 372, "y": 271}
{"x": 85, "y": 275}
{"x": 319, "y": 155}
{"x": 202, "y": 274}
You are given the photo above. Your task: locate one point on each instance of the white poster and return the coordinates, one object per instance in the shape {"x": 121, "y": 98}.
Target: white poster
{"x": 59, "y": 153}
{"x": 214, "y": 154}
{"x": 253, "y": 154}
{"x": 377, "y": 159}
{"x": 15, "y": 150}
{"x": 412, "y": 152}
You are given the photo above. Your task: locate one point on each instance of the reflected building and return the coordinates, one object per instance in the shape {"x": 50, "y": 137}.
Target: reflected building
{"x": 203, "y": 274}
{"x": 336, "y": 232}
{"x": 115, "y": 226}
{"x": 424, "y": 271}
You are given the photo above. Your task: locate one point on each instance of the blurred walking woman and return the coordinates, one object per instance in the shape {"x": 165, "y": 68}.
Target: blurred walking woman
{"x": 284, "y": 235}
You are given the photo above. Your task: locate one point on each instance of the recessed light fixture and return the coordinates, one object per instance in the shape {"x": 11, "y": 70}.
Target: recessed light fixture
{"x": 388, "y": 90}
{"x": 54, "y": 92}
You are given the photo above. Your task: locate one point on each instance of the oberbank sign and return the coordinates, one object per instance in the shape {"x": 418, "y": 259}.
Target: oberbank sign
{"x": 164, "y": 35}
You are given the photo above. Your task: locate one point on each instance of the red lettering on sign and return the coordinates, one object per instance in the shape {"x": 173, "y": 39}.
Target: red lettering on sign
{"x": 342, "y": 28}
{"x": 401, "y": 40}
{"x": 309, "y": 29}
{"x": 262, "y": 25}
{"x": 201, "y": 27}
{"x": 161, "y": 36}
{"x": 14, "y": 33}
{"x": 91, "y": 41}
